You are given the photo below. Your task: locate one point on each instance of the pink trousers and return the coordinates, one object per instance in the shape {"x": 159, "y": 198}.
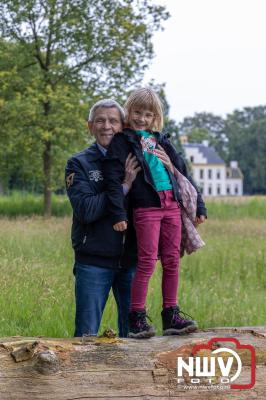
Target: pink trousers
{"x": 157, "y": 229}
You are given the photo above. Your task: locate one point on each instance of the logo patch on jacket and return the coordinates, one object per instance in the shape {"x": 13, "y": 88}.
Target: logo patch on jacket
{"x": 70, "y": 180}
{"x": 95, "y": 175}
{"x": 148, "y": 144}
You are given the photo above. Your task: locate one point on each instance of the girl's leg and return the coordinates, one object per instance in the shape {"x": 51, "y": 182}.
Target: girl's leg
{"x": 170, "y": 239}
{"x": 147, "y": 224}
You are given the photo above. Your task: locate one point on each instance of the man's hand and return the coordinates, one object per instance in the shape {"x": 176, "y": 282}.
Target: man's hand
{"x": 131, "y": 170}
{"x": 199, "y": 220}
{"x": 120, "y": 226}
{"x": 161, "y": 154}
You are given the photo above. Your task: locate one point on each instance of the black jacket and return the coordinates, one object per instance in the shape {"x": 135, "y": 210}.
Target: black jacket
{"x": 94, "y": 240}
{"x": 143, "y": 192}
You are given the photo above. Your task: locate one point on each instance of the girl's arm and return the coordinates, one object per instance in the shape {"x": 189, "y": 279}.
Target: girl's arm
{"x": 180, "y": 164}
{"x": 114, "y": 173}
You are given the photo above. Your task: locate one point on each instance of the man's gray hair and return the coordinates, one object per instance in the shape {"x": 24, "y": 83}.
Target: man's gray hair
{"x": 106, "y": 103}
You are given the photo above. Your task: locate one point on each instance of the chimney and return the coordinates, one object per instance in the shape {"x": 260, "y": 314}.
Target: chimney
{"x": 234, "y": 164}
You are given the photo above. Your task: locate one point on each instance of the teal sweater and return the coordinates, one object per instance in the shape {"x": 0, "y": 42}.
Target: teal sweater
{"x": 158, "y": 171}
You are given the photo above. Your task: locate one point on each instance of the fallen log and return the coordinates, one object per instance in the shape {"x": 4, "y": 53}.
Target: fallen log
{"x": 111, "y": 368}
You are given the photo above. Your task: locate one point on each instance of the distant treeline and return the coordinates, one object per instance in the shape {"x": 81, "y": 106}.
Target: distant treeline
{"x": 27, "y": 204}
{"x": 240, "y": 136}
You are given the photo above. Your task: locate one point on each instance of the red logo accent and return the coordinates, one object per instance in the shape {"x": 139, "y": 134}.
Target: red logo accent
{"x": 198, "y": 347}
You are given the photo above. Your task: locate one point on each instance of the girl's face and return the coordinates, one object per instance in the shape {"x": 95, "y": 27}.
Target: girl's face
{"x": 141, "y": 120}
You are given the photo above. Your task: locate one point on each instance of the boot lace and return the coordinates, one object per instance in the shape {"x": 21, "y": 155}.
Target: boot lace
{"x": 179, "y": 315}
{"x": 142, "y": 323}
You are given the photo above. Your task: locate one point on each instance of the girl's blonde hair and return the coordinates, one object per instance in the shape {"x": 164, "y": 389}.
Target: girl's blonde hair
{"x": 146, "y": 98}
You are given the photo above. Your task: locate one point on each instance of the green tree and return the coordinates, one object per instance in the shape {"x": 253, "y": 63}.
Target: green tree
{"x": 13, "y": 112}
{"x": 73, "y": 47}
{"x": 23, "y": 125}
{"x": 206, "y": 126}
{"x": 246, "y": 130}
{"x": 197, "y": 135}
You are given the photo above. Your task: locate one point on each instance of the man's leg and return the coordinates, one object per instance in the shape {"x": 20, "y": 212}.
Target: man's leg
{"x": 92, "y": 288}
{"x": 122, "y": 293}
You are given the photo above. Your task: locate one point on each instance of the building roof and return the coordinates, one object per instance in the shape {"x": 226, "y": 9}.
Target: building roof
{"x": 234, "y": 173}
{"x": 208, "y": 153}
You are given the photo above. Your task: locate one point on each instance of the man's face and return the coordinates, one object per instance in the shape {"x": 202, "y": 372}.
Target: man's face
{"x": 107, "y": 122}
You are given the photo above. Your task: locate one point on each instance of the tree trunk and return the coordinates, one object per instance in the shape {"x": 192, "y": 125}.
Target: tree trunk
{"x": 47, "y": 169}
{"x": 112, "y": 368}
{"x": 1, "y": 188}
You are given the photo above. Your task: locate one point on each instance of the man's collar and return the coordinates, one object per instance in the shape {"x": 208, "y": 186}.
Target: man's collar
{"x": 102, "y": 149}
{"x": 93, "y": 152}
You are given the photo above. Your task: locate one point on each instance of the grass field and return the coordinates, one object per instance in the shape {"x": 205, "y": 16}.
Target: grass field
{"x": 223, "y": 284}
{"x": 28, "y": 204}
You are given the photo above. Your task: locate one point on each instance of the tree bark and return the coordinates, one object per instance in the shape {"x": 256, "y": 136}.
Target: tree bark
{"x": 1, "y": 188}
{"x": 47, "y": 169}
{"x": 111, "y": 368}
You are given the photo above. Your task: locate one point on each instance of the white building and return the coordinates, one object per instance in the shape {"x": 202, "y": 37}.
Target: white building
{"x": 211, "y": 173}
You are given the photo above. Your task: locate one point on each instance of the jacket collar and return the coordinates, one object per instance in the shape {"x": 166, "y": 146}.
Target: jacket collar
{"x": 133, "y": 138}
{"x": 93, "y": 153}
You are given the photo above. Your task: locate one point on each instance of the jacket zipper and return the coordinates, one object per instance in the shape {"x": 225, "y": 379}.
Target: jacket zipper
{"x": 144, "y": 162}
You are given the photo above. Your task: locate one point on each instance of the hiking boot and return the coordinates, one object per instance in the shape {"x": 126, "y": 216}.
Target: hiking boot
{"x": 138, "y": 326}
{"x": 175, "y": 324}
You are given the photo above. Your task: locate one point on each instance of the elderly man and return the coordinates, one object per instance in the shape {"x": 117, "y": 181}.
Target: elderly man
{"x": 104, "y": 258}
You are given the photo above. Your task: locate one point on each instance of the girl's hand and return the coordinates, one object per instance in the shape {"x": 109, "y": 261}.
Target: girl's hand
{"x": 131, "y": 169}
{"x": 120, "y": 226}
{"x": 161, "y": 154}
{"x": 199, "y": 220}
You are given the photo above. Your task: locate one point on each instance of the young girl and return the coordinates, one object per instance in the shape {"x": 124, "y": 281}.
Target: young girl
{"x": 156, "y": 201}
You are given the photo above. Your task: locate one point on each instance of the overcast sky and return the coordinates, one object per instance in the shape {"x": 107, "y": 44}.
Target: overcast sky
{"x": 211, "y": 55}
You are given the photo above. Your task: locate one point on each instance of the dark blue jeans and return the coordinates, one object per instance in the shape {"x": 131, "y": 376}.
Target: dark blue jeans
{"x": 92, "y": 289}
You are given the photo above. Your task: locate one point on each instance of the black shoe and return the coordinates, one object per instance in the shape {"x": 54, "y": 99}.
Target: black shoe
{"x": 174, "y": 324}
{"x": 138, "y": 326}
